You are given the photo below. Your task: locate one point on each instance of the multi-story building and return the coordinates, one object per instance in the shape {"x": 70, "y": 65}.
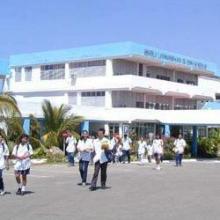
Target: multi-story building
{"x": 121, "y": 86}
{"x": 4, "y": 70}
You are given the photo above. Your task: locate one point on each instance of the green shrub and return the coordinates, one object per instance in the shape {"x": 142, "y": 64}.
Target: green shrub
{"x": 39, "y": 153}
{"x": 207, "y": 147}
{"x": 55, "y": 158}
{"x": 51, "y": 140}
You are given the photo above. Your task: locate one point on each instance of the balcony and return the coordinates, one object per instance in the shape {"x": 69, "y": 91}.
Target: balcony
{"x": 142, "y": 84}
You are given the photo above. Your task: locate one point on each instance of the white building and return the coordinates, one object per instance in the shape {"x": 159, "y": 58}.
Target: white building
{"x": 119, "y": 86}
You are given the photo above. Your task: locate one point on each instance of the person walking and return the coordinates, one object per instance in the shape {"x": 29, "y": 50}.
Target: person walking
{"x": 101, "y": 145}
{"x": 158, "y": 150}
{"x": 126, "y": 148}
{"x": 180, "y": 145}
{"x": 142, "y": 145}
{"x": 4, "y": 164}
{"x": 71, "y": 147}
{"x": 85, "y": 147}
{"x": 22, "y": 154}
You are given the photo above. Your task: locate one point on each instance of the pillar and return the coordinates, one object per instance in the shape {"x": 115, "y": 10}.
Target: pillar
{"x": 109, "y": 68}
{"x": 27, "y": 126}
{"x": 106, "y": 127}
{"x": 167, "y": 130}
{"x": 194, "y": 141}
{"x": 84, "y": 126}
{"x": 108, "y": 99}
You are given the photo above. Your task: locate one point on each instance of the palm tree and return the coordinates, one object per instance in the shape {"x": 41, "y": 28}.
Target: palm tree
{"x": 10, "y": 115}
{"x": 8, "y": 106}
{"x": 57, "y": 120}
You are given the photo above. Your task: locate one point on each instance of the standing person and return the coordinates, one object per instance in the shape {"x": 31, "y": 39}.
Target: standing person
{"x": 119, "y": 153}
{"x": 114, "y": 145}
{"x": 71, "y": 147}
{"x": 22, "y": 153}
{"x": 142, "y": 145}
{"x": 85, "y": 147}
{"x": 158, "y": 150}
{"x": 4, "y": 154}
{"x": 101, "y": 144}
{"x": 180, "y": 145}
{"x": 126, "y": 148}
{"x": 150, "y": 147}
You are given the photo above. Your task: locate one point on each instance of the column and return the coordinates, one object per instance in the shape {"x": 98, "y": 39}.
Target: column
{"x": 22, "y": 74}
{"x": 106, "y": 127}
{"x": 194, "y": 141}
{"x": 26, "y": 126}
{"x": 78, "y": 98}
{"x": 108, "y": 99}
{"x": 120, "y": 129}
{"x": 167, "y": 130}
{"x": 109, "y": 68}
{"x": 66, "y": 98}
{"x": 84, "y": 126}
{"x": 67, "y": 71}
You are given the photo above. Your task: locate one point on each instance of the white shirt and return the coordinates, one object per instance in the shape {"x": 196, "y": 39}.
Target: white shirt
{"x": 142, "y": 145}
{"x": 126, "y": 143}
{"x": 85, "y": 145}
{"x": 19, "y": 151}
{"x": 158, "y": 146}
{"x": 4, "y": 152}
{"x": 99, "y": 152}
{"x": 180, "y": 144}
{"x": 71, "y": 144}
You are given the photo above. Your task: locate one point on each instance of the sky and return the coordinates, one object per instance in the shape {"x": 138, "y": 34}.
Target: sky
{"x": 188, "y": 27}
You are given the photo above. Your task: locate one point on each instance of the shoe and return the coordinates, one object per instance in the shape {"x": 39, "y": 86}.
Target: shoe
{"x": 18, "y": 191}
{"x": 22, "y": 193}
{"x": 88, "y": 184}
{"x": 79, "y": 184}
{"x": 2, "y": 193}
{"x": 83, "y": 184}
{"x": 92, "y": 188}
{"x": 103, "y": 186}
{"x": 157, "y": 168}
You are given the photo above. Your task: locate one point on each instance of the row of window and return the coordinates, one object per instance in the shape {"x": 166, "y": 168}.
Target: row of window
{"x": 87, "y": 64}
{"x": 93, "y": 94}
{"x": 150, "y": 105}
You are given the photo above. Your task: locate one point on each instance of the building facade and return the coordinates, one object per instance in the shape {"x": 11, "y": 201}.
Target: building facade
{"x": 122, "y": 87}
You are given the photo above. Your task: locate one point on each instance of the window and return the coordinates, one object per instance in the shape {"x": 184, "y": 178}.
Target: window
{"x": 180, "y": 81}
{"x": 190, "y": 82}
{"x": 93, "y": 94}
{"x": 28, "y": 73}
{"x": 140, "y": 104}
{"x": 140, "y": 69}
{"x": 18, "y": 74}
{"x": 52, "y": 72}
{"x": 87, "y": 64}
{"x": 162, "y": 77}
{"x": 217, "y": 97}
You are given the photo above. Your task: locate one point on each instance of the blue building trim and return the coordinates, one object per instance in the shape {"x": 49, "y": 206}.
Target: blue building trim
{"x": 4, "y": 67}
{"x": 111, "y": 50}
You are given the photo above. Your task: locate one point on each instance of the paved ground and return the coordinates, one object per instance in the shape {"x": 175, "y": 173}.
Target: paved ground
{"x": 135, "y": 192}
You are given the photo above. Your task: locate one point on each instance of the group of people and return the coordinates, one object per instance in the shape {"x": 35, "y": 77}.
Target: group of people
{"x": 99, "y": 150}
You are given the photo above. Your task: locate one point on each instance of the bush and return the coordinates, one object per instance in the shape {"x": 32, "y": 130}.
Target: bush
{"x": 51, "y": 140}
{"x": 39, "y": 153}
{"x": 207, "y": 147}
{"x": 55, "y": 158}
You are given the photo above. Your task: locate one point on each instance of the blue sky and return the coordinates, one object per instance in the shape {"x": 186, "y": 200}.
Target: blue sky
{"x": 189, "y": 27}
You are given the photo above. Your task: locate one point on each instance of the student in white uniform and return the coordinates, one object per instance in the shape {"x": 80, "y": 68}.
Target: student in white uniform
{"x": 101, "y": 144}
{"x": 85, "y": 147}
{"x": 126, "y": 148}
{"x": 180, "y": 145}
{"x": 150, "y": 147}
{"x": 158, "y": 150}
{"x": 71, "y": 147}
{"x": 142, "y": 145}
{"x": 4, "y": 154}
{"x": 22, "y": 153}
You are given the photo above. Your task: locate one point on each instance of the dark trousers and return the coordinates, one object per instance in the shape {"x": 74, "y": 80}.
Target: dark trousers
{"x": 70, "y": 157}
{"x": 1, "y": 180}
{"x": 126, "y": 154}
{"x": 179, "y": 158}
{"x": 83, "y": 169}
{"x": 103, "y": 168}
